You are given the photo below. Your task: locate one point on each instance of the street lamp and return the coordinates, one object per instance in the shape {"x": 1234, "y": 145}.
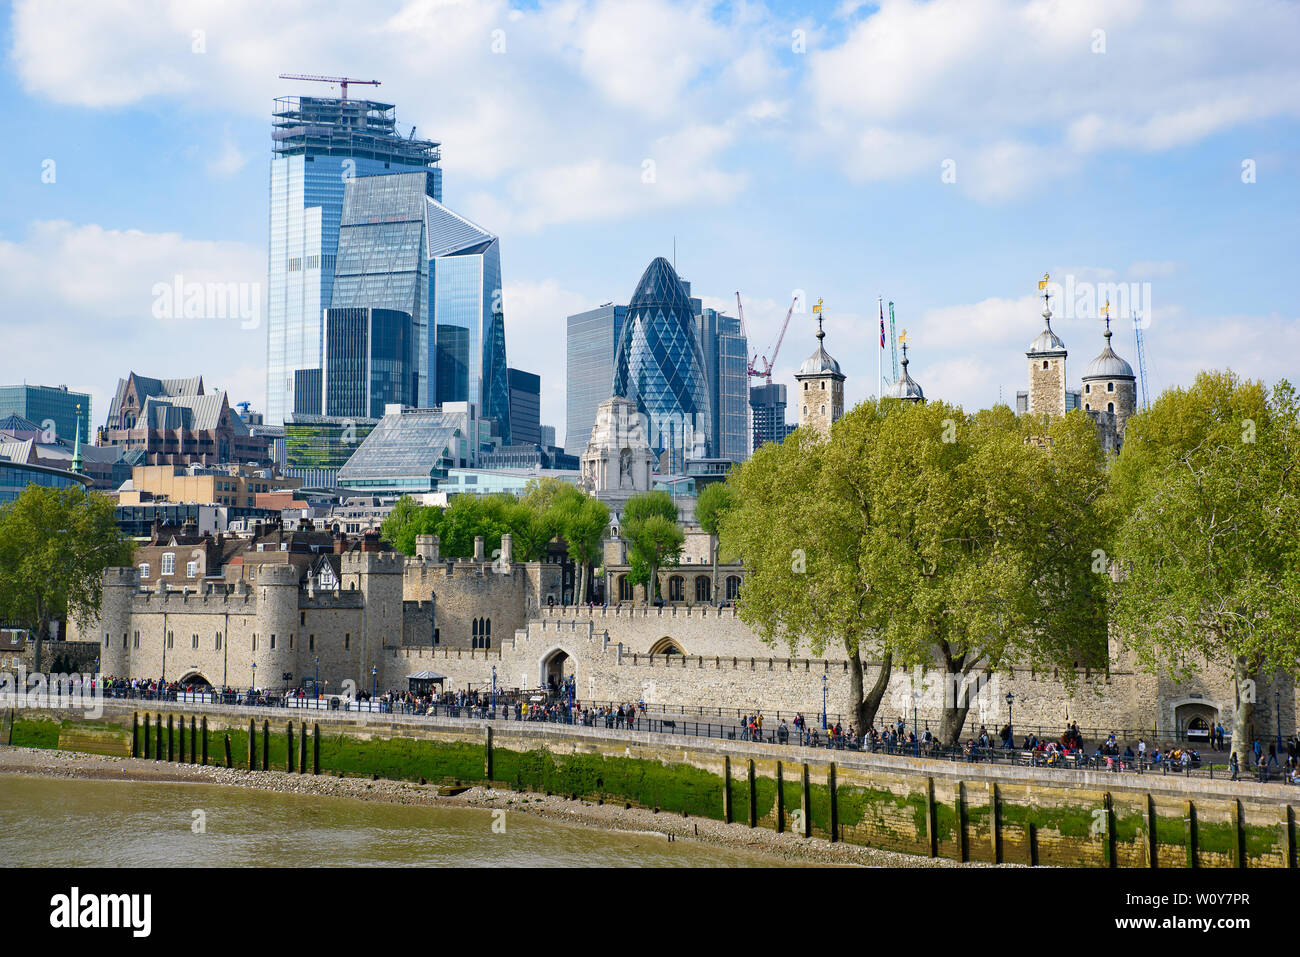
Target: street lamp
{"x": 254, "y": 688}
{"x": 824, "y": 680}
{"x": 1277, "y": 698}
{"x": 1011, "y": 731}
{"x": 374, "y": 683}
{"x": 916, "y": 735}
{"x": 494, "y": 691}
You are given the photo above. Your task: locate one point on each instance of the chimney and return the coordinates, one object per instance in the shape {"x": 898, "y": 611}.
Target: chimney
{"x": 507, "y": 549}
{"x": 479, "y": 551}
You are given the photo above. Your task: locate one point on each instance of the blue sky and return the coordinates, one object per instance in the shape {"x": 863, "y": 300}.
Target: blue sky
{"x": 792, "y": 148}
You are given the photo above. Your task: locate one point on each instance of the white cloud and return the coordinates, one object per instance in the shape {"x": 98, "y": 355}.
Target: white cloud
{"x": 1017, "y": 95}
{"x": 108, "y": 312}
{"x": 534, "y": 312}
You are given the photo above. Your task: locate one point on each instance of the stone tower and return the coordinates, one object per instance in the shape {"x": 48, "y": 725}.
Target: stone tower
{"x": 819, "y": 385}
{"x": 112, "y": 627}
{"x": 275, "y": 637}
{"x": 1109, "y": 385}
{"x": 1046, "y": 369}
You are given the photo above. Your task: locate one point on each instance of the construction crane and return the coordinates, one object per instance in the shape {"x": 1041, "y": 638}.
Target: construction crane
{"x": 1142, "y": 359}
{"x": 765, "y": 370}
{"x": 342, "y": 81}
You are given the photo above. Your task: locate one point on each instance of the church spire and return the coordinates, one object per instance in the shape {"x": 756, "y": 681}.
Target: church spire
{"x": 76, "y": 445}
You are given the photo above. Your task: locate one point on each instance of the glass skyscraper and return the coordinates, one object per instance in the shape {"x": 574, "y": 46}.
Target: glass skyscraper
{"x": 592, "y": 338}
{"x": 52, "y": 409}
{"x": 320, "y": 144}
{"x": 369, "y": 362}
{"x": 726, "y": 357}
{"x": 659, "y": 365}
{"x": 767, "y": 405}
{"x": 383, "y": 260}
{"x": 466, "y": 315}
{"x": 525, "y": 407}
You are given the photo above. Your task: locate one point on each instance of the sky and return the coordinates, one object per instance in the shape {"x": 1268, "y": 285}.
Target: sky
{"x": 943, "y": 155}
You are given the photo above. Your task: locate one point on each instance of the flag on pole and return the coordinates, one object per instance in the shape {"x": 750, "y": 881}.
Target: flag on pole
{"x": 882, "y": 327}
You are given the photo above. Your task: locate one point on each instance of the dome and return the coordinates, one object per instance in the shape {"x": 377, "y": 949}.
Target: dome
{"x": 1048, "y": 342}
{"x": 820, "y": 363}
{"x": 905, "y": 387}
{"x": 1108, "y": 365}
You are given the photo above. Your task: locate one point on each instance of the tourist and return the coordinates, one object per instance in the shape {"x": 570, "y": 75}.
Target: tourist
{"x": 1233, "y": 767}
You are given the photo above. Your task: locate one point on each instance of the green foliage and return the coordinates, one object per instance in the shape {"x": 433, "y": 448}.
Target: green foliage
{"x": 1206, "y": 497}
{"x": 921, "y": 534}
{"x": 715, "y": 500}
{"x": 54, "y": 547}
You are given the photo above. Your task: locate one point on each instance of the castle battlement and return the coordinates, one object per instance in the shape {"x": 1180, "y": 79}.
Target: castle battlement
{"x": 638, "y": 611}
{"x": 372, "y": 563}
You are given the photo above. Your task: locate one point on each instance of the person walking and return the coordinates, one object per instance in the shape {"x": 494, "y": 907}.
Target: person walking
{"x": 1233, "y": 767}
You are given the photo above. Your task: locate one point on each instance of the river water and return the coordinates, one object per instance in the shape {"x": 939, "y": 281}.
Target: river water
{"x": 48, "y": 822}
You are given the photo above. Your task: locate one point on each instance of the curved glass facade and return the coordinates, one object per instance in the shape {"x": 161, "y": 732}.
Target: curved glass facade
{"x": 659, "y": 365}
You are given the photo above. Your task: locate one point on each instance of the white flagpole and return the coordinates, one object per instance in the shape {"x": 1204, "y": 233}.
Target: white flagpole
{"x": 880, "y": 392}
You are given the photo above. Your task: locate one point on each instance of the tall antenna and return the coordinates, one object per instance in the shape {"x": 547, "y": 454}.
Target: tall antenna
{"x": 1142, "y": 360}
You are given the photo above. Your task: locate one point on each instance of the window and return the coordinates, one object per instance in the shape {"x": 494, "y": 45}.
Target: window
{"x": 191, "y": 569}
{"x": 823, "y": 410}
{"x": 273, "y": 642}
{"x": 347, "y": 641}
{"x": 1087, "y": 388}
{"x": 805, "y": 386}
{"x": 805, "y": 410}
{"x": 136, "y": 640}
{"x": 194, "y": 642}
{"x": 823, "y": 386}
{"x": 1044, "y": 363}
{"x": 703, "y": 588}
{"x": 218, "y": 641}
{"x": 169, "y": 564}
{"x": 437, "y": 636}
{"x": 171, "y": 636}
{"x": 311, "y": 642}
{"x": 733, "y": 587}
{"x": 1110, "y": 387}
{"x": 255, "y": 642}
{"x": 144, "y": 569}
{"x": 1110, "y": 406}
{"x": 624, "y": 588}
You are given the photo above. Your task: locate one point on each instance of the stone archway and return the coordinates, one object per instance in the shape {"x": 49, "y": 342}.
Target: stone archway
{"x": 555, "y": 667}
{"x": 1194, "y": 718}
{"x": 666, "y": 646}
{"x": 195, "y": 681}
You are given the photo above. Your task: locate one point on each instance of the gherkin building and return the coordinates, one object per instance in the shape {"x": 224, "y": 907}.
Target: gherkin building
{"x": 659, "y": 365}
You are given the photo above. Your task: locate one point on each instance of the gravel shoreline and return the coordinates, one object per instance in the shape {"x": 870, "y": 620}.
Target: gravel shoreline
{"x": 787, "y": 848}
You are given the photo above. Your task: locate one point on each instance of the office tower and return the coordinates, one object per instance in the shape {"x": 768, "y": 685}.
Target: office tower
{"x": 589, "y": 370}
{"x": 383, "y": 258}
{"x": 370, "y": 362}
{"x": 55, "y": 410}
{"x": 466, "y": 315}
{"x": 320, "y": 145}
{"x": 525, "y": 407}
{"x": 660, "y": 366}
{"x": 767, "y": 409}
{"x": 725, "y": 351}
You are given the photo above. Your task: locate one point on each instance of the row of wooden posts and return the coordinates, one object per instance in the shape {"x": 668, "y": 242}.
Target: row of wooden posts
{"x": 152, "y": 744}
{"x": 1030, "y": 831}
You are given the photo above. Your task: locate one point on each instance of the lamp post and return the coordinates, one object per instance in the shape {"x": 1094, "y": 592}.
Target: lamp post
{"x": 374, "y": 683}
{"x": 254, "y": 688}
{"x": 824, "y": 680}
{"x": 1277, "y": 699}
{"x": 1011, "y": 730}
{"x": 916, "y": 734}
{"x": 315, "y": 685}
{"x": 494, "y": 691}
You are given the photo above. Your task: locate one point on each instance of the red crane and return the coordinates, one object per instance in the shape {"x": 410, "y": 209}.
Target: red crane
{"x": 767, "y": 364}
{"x": 342, "y": 81}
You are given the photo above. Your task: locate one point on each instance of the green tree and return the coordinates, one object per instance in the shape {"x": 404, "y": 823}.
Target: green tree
{"x": 582, "y": 523}
{"x": 1207, "y": 501}
{"x": 713, "y": 503}
{"x": 653, "y": 535}
{"x": 927, "y": 538}
{"x": 407, "y": 520}
{"x": 54, "y": 547}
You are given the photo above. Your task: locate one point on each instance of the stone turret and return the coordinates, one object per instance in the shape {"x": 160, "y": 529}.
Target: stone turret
{"x": 428, "y": 547}
{"x": 276, "y": 630}
{"x": 112, "y": 627}
{"x": 819, "y": 385}
{"x": 1046, "y": 357}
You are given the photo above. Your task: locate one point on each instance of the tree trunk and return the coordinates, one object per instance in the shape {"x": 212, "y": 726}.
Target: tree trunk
{"x": 580, "y": 590}
{"x": 1243, "y": 715}
{"x": 956, "y": 705}
{"x": 866, "y": 705}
